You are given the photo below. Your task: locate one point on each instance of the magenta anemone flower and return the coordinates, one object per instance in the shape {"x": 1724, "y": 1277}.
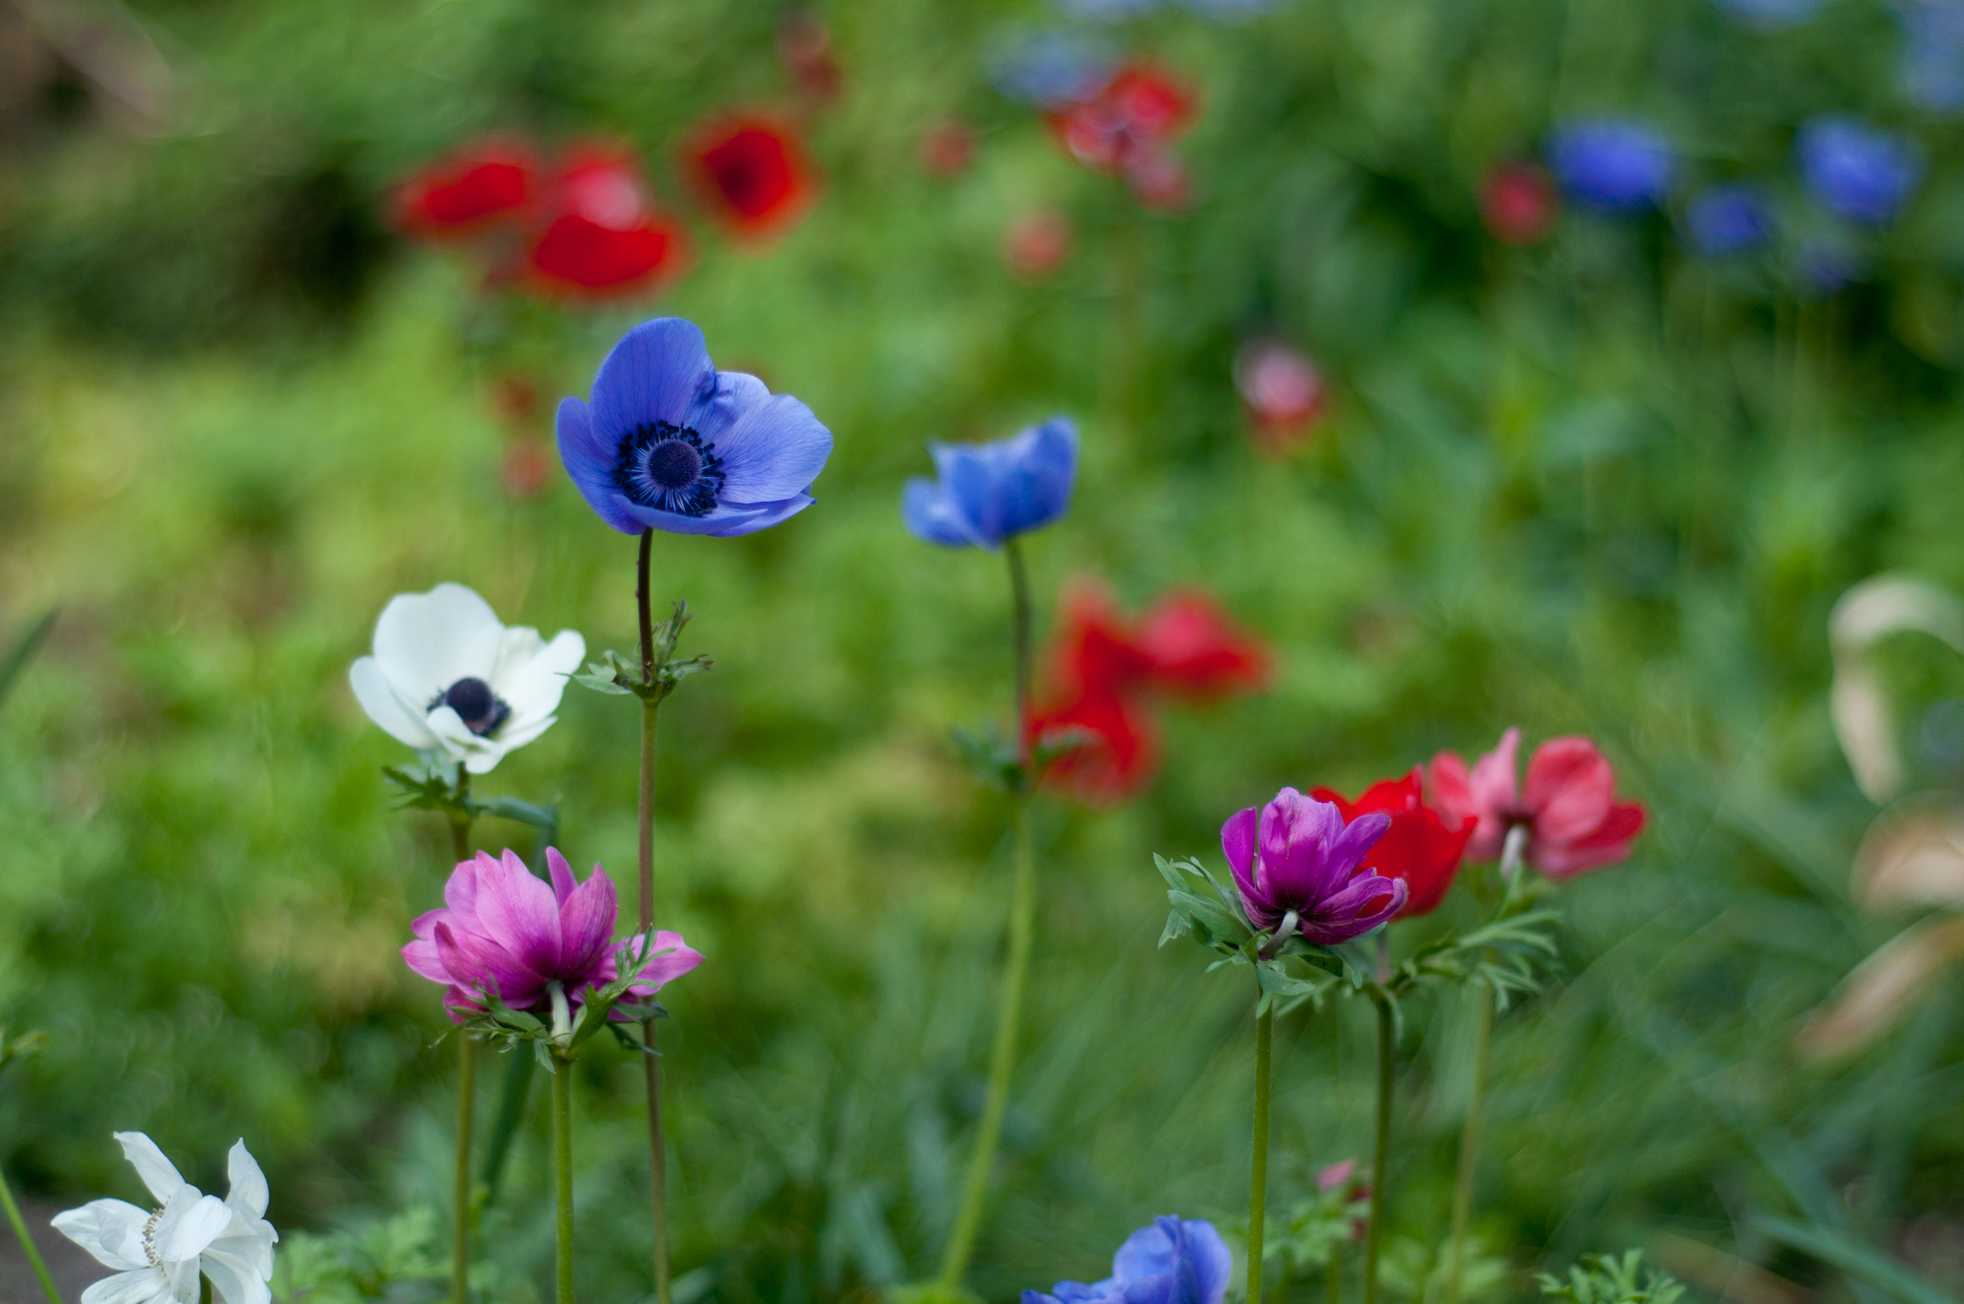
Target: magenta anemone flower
{"x": 503, "y": 930}
{"x": 1296, "y": 857}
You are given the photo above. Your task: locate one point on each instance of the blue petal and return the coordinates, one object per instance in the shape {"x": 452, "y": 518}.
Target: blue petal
{"x": 1148, "y": 1252}
{"x": 1040, "y": 485}
{"x": 723, "y": 521}
{"x": 1207, "y": 1255}
{"x": 771, "y": 445}
{"x": 659, "y": 371}
{"x": 931, "y": 517}
{"x": 591, "y": 464}
{"x": 973, "y": 479}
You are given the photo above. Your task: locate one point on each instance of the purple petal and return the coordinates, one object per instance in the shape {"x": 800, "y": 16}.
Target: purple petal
{"x": 475, "y": 962}
{"x": 931, "y": 515}
{"x": 675, "y": 959}
{"x": 1356, "y": 841}
{"x": 423, "y": 961}
{"x": 659, "y": 371}
{"x": 590, "y": 462}
{"x": 562, "y": 876}
{"x": 1238, "y": 840}
{"x": 1296, "y": 833}
{"x": 520, "y": 914}
{"x": 1336, "y": 920}
{"x": 460, "y": 893}
{"x": 586, "y": 923}
{"x": 771, "y": 445}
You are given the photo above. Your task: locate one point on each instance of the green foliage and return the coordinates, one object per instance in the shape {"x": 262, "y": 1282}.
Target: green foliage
{"x": 1606, "y": 1279}
{"x": 368, "y": 1263}
{"x": 618, "y": 674}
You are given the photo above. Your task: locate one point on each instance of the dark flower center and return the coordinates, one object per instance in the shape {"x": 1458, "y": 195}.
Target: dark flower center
{"x": 481, "y": 710}
{"x": 669, "y": 468}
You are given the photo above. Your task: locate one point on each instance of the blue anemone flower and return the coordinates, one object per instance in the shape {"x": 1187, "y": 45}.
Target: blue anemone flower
{"x": 670, "y": 443}
{"x": 991, "y": 492}
{"x": 1729, "y": 220}
{"x": 1614, "y": 164}
{"x": 1932, "y": 70}
{"x": 1050, "y": 69}
{"x": 1170, "y": 1262}
{"x": 1857, "y": 171}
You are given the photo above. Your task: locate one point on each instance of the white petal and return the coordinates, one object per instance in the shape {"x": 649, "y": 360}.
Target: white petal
{"x": 384, "y": 706}
{"x": 112, "y": 1230}
{"x": 189, "y": 1223}
{"x": 515, "y": 651}
{"x": 479, "y": 755}
{"x": 146, "y": 1286}
{"x": 428, "y": 641}
{"x": 234, "y": 1280}
{"x": 250, "y": 1243}
{"x": 183, "y": 1281}
{"x": 533, "y": 690}
{"x": 157, "y": 1172}
{"x": 247, "y": 1192}
{"x": 519, "y": 732}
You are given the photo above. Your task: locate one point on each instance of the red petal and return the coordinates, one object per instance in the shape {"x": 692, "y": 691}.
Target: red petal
{"x": 1193, "y": 648}
{"x": 469, "y": 190}
{"x": 752, "y": 171}
{"x": 1118, "y": 753}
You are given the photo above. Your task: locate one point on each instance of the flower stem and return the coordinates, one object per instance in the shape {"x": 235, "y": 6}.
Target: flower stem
{"x": 1016, "y": 964}
{"x": 650, "y": 1059}
{"x": 562, "y": 1178}
{"x": 1258, "y": 1161}
{"x": 1469, "y": 1144}
{"x": 1387, "y": 1051}
{"x": 1333, "y": 1275}
{"x": 460, "y": 1225}
{"x": 27, "y": 1242}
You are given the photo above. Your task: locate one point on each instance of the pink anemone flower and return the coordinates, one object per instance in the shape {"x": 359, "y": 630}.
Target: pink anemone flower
{"x": 505, "y": 931}
{"x": 1568, "y": 804}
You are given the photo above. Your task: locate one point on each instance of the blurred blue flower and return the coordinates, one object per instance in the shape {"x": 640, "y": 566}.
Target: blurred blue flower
{"x": 1771, "y": 13}
{"x": 1826, "y": 263}
{"x": 1933, "y": 54}
{"x": 990, "y": 492}
{"x": 1729, "y": 220}
{"x": 670, "y": 443}
{"x": 1050, "y": 68}
{"x": 1170, "y": 1262}
{"x": 1614, "y": 164}
{"x": 1857, "y": 171}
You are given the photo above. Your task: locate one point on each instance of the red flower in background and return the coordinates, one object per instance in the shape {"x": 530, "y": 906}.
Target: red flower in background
{"x": 1420, "y": 847}
{"x": 1568, "y": 804}
{"x": 603, "y": 235}
{"x": 1130, "y": 117}
{"x": 805, "y": 46}
{"x": 752, "y": 172}
{"x": 1281, "y": 391}
{"x": 1518, "y": 202}
{"x": 1107, "y": 669}
{"x": 479, "y": 186}
{"x": 1036, "y": 244}
{"x": 948, "y": 148}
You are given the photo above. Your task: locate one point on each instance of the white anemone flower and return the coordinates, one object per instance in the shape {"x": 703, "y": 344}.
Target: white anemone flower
{"x": 159, "y": 1256}
{"x": 447, "y": 677}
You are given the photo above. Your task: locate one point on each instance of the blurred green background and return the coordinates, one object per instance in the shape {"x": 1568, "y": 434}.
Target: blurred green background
{"x": 1597, "y": 484}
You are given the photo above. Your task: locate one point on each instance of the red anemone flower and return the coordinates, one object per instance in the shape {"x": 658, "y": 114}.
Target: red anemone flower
{"x": 1106, "y": 747}
{"x": 752, "y": 172}
{"x": 478, "y": 186}
{"x": 1420, "y": 847}
{"x": 1184, "y": 645}
{"x": 1568, "y": 804}
{"x": 604, "y": 235}
{"x": 1127, "y": 120}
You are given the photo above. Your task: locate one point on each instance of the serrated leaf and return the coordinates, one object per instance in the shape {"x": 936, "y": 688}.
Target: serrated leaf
{"x": 1176, "y": 926}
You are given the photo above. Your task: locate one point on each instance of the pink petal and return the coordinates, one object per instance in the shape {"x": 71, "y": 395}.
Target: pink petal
{"x": 422, "y": 959}
{"x": 423, "y": 926}
{"x": 562, "y": 874}
{"x": 1606, "y": 844}
{"x": 675, "y": 959}
{"x": 519, "y": 914}
{"x": 1569, "y": 790}
{"x": 586, "y": 919}
{"x": 475, "y": 962}
{"x": 460, "y": 893}
{"x": 1238, "y": 844}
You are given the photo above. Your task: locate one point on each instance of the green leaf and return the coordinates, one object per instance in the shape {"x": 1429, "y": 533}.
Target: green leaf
{"x": 24, "y": 649}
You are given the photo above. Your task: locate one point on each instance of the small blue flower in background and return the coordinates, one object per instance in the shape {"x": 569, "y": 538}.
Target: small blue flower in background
{"x": 670, "y": 443}
{"x": 1048, "y": 69}
{"x": 1771, "y": 13}
{"x": 1170, "y": 1262}
{"x": 1618, "y": 165}
{"x": 1855, "y": 170}
{"x": 1826, "y": 263}
{"x": 1729, "y": 219}
{"x": 1933, "y": 54}
{"x": 991, "y": 492}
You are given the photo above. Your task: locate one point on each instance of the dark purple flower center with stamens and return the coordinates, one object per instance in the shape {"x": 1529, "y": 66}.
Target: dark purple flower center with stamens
{"x": 481, "y": 710}
{"x": 668, "y": 467}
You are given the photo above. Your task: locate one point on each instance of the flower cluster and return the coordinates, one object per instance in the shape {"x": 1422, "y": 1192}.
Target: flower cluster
{"x": 1125, "y": 124}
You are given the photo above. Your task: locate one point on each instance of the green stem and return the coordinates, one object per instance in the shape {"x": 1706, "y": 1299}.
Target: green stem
{"x": 27, "y": 1241}
{"x": 1333, "y": 1275}
{"x": 650, "y": 1059}
{"x": 1258, "y": 1161}
{"x": 1387, "y": 1051}
{"x": 460, "y": 1224}
{"x": 1016, "y": 964}
{"x": 562, "y": 1178}
{"x": 1469, "y": 1144}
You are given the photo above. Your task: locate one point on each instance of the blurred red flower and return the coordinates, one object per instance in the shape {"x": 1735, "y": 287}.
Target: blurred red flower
{"x": 493, "y": 180}
{"x": 1160, "y": 181}
{"x": 603, "y": 235}
{"x": 1037, "y": 244}
{"x": 805, "y": 45}
{"x": 527, "y": 468}
{"x": 1128, "y": 119}
{"x": 1107, "y": 669}
{"x": 948, "y": 148}
{"x": 752, "y": 172}
{"x": 1419, "y": 847}
{"x": 1518, "y": 202}
{"x": 1281, "y": 391}
{"x": 1568, "y": 805}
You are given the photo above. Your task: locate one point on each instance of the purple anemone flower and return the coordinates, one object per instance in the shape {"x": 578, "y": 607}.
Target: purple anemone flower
{"x": 1857, "y": 171}
{"x": 1296, "y": 856}
{"x": 503, "y": 930}
{"x": 1170, "y": 1262}
{"x": 670, "y": 443}
{"x": 1616, "y": 165}
{"x": 990, "y": 492}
